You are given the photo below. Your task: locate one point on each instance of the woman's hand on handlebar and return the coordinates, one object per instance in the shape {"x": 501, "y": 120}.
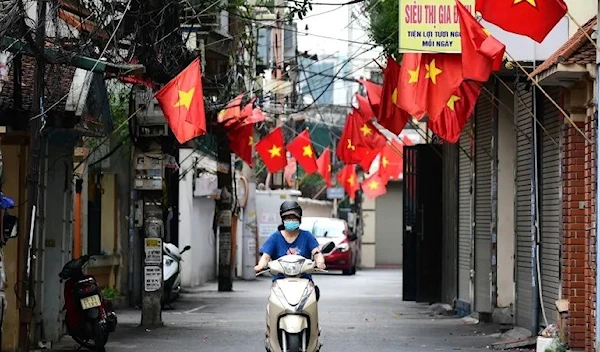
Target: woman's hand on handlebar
{"x": 259, "y": 268}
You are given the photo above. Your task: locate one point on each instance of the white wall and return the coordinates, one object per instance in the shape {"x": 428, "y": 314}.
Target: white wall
{"x": 369, "y": 234}
{"x": 316, "y": 208}
{"x": 506, "y": 185}
{"x": 195, "y": 228}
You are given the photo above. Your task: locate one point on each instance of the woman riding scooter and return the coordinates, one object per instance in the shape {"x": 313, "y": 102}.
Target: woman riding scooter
{"x": 289, "y": 239}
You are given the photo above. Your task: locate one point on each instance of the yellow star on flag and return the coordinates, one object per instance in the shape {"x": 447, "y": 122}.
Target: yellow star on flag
{"x": 351, "y": 180}
{"x": 414, "y": 75}
{"x": 275, "y": 151}
{"x": 373, "y": 185}
{"x": 365, "y": 130}
{"x": 395, "y": 96}
{"x": 531, "y": 2}
{"x": 251, "y": 140}
{"x": 486, "y": 31}
{"x": 385, "y": 161}
{"x": 432, "y": 71}
{"x": 453, "y": 99}
{"x": 329, "y": 168}
{"x": 185, "y": 98}
{"x": 307, "y": 151}
{"x": 350, "y": 146}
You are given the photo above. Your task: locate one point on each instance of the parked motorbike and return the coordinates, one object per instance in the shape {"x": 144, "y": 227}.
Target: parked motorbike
{"x": 292, "y": 314}
{"x": 89, "y": 321}
{"x": 172, "y": 272}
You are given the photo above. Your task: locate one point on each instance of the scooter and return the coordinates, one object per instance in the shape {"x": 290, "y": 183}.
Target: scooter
{"x": 292, "y": 314}
{"x": 172, "y": 272}
{"x": 89, "y": 321}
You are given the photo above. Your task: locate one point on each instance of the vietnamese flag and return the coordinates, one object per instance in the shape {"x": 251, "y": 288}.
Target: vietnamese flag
{"x": 374, "y": 92}
{"x": 272, "y": 151}
{"x": 366, "y": 135}
{"x": 390, "y": 115}
{"x": 373, "y": 186}
{"x": 347, "y": 179}
{"x": 459, "y": 109}
{"x": 232, "y": 110}
{"x": 302, "y": 150}
{"x": 481, "y": 53}
{"x": 427, "y": 81}
{"x": 324, "y": 165}
{"x": 182, "y": 102}
{"x": 346, "y": 149}
{"x": 241, "y": 141}
{"x": 391, "y": 161}
{"x": 531, "y": 18}
{"x": 364, "y": 108}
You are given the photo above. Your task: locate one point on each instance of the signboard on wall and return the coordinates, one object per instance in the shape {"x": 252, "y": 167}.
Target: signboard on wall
{"x": 153, "y": 249}
{"x": 430, "y": 26}
{"x": 152, "y": 278}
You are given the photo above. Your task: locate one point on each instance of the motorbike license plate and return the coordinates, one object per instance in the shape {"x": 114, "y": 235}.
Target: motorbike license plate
{"x": 90, "y": 302}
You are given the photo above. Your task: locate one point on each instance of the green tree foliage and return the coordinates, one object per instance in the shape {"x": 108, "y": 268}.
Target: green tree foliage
{"x": 383, "y": 15}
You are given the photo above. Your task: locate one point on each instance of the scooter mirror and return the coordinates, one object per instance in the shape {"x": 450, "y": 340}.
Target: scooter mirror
{"x": 186, "y": 248}
{"x": 328, "y": 248}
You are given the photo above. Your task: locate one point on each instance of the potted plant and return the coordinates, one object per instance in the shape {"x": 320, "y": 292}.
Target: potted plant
{"x": 112, "y": 297}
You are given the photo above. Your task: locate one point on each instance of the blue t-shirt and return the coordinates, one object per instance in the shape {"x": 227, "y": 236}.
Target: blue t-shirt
{"x": 276, "y": 246}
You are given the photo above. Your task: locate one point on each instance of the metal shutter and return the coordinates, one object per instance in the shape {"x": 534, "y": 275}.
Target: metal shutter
{"x": 450, "y": 213}
{"x": 483, "y": 203}
{"x": 464, "y": 213}
{"x": 550, "y": 203}
{"x": 524, "y": 157}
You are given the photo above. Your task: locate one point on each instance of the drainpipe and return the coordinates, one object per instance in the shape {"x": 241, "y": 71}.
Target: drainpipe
{"x": 535, "y": 298}
{"x": 597, "y": 187}
{"x": 77, "y": 232}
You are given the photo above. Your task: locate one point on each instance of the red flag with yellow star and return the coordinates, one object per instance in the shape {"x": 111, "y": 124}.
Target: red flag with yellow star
{"x": 373, "y": 93}
{"x": 346, "y": 150}
{"x": 232, "y": 111}
{"x": 272, "y": 151}
{"x": 324, "y": 165}
{"x": 302, "y": 150}
{"x": 390, "y": 115}
{"x": 364, "y": 134}
{"x": 459, "y": 109}
{"x": 182, "y": 103}
{"x": 241, "y": 141}
{"x": 391, "y": 161}
{"x": 531, "y": 18}
{"x": 427, "y": 81}
{"x": 347, "y": 179}
{"x": 373, "y": 186}
{"x": 481, "y": 53}
{"x": 364, "y": 110}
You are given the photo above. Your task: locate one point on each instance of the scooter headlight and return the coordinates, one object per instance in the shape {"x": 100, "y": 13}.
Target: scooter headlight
{"x": 292, "y": 268}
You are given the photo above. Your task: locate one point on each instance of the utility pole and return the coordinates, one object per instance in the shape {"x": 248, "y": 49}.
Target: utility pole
{"x": 224, "y": 213}
{"x": 33, "y": 174}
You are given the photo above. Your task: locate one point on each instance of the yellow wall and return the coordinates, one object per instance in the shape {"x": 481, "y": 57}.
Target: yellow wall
{"x": 14, "y": 158}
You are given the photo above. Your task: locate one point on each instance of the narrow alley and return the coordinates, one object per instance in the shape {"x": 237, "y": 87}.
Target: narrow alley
{"x": 358, "y": 313}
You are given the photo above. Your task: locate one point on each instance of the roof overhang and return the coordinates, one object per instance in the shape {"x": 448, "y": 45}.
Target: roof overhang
{"x": 563, "y": 75}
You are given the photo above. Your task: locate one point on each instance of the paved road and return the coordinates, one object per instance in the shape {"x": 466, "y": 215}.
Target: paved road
{"x": 358, "y": 314}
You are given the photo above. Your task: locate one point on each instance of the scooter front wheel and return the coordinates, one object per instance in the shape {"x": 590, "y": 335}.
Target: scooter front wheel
{"x": 294, "y": 342}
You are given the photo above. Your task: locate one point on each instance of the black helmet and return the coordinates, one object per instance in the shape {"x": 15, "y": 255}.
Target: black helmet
{"x": 290, "y": 207}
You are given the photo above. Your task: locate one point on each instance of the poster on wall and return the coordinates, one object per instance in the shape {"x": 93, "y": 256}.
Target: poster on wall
{"x": 430, "y": 26}
{"x": 153, "y": 249}
{"x": 152, "y": 278}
